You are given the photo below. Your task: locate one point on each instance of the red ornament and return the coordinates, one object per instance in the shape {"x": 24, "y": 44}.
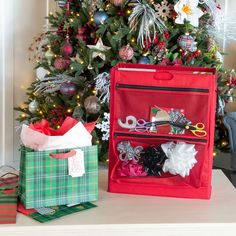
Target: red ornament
{"x": 117, "y": 3}
{"x": 67, "y": 48}
{"x": 61, "y": 63}
{"x": 57, "y": 115}
{"x": 82, "y": 34}
{"x": 166, "y": 34}
{"x": 63, "y": 32}
{"x": 162, "y": 44}
{"x": 155, "y": 40}
{"x": 165, "y": 62}
{"x": 121, "y": 13}
{"x": 126, "y": 53}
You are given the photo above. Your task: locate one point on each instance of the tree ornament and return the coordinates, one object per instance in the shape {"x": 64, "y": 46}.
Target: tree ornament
{"x": 61, "y": 63}
{"x": 91, "y": 105}
{"x": 81, "y": 34}
{"x": 144, "y": 17}
{"x": 159, "y": 52}
{"x": 187, "y": 43}
{"x": 67, "y": 48}
{"x": 164, "y": 10}
{"x": 132, "y": 3}
{"x": 67, "y": 6}
{"x": 144, "y": 60}
{"x": 188, "y": 10}
{"x": 51, "y": 84}
{"x": 33, "y": 106}
{"x": 215, "y": 12}
{"x": 49, "y": 55}
{"x": 104, "y": 126}
{"x": 100, "y": 17}
{"x": 41, "y": 73}
{"x": 63, "y": 31}
{"x": 126, "y": 52}
{"x": 68, "y": 89}
{"x": 57, "y": 115}
{"x": 103, "y": 86}
{"x": 99, "y": 49}
{"x": 118, "y": 3}
{"x": 211, "y": 44}
{"x": 61, "y": 3}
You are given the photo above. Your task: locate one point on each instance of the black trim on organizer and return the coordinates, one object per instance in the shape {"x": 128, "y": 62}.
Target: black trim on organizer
{"x": 134, "y": 86}
{"x": 117, "y": 134}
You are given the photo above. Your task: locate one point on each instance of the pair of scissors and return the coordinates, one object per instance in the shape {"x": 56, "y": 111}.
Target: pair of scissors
{"x": 144, "y": 126}
{"x": 198, "y": 129}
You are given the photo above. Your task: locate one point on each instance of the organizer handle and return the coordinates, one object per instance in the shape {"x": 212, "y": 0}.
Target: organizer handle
{"x": 63, "y": 155}
{"x": 163, "y": 75}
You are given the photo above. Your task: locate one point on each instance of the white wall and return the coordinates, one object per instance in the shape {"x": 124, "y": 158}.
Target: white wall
{"x": 20, "y": 21}
{"x": 6, "y": 75}
{"x": 230, "y": 45}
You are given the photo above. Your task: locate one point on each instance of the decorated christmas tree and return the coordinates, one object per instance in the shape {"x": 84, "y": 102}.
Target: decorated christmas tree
{"x": 86, "y": 38}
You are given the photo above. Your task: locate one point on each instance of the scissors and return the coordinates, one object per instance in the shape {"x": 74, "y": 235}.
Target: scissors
{"x": 143, "y": 126}
{"x": 198, "y": 130}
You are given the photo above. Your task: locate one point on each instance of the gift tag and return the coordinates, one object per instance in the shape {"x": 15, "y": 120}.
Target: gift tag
{"x": 45, "y": 211}
{"x": 76, "y": 164}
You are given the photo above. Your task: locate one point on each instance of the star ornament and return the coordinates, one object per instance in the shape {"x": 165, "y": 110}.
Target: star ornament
{"x": 99, "y": 49}
{"x": 188, "y": 10}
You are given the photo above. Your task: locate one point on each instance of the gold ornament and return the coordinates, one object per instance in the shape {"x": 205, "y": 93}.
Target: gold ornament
{"x": 49, "y": 55}
{"x": 92, "y": 105}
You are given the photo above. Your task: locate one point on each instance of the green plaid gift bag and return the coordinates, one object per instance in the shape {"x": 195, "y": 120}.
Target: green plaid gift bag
{"x": 44, "y": 180}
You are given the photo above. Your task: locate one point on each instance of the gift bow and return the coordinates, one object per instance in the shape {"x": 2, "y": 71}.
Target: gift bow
{"x": 127, "y": 152}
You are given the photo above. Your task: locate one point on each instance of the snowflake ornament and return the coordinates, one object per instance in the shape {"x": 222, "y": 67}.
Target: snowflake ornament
{"x": 105, "y": 126}
{"x": 163, "y": 10}
{"x": 188, "y": 10}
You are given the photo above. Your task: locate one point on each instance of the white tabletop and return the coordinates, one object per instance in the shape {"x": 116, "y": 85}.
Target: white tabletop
{"x": 133, "y": 215}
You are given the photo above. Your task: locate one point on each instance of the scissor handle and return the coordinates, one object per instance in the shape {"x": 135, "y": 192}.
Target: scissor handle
{"x": 141, "y": 129}
{"x": 199, "y": 126}
{"x": 141, "y": 122}
{"x": 198, "y": 130}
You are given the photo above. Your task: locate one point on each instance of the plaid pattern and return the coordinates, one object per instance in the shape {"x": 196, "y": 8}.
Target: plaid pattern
{"x": 44, "y": 181}
{"x": 8, "y": 200}
{"x": 60, "y": 211}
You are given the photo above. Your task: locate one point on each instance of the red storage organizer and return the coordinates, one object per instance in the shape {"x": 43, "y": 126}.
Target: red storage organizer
{"x": 134, "y": 89}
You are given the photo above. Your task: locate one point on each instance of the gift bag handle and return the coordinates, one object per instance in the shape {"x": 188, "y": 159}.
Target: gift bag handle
{"x": 163, "y": 75}
{"x": 63, "y": 155}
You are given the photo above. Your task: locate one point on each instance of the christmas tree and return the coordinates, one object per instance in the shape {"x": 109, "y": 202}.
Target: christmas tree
{"x": 86, "y": 38}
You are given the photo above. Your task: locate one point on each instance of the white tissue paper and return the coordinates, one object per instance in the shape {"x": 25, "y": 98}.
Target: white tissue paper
{"x": 181, "y": 158}
{"x": 78, "y": 136}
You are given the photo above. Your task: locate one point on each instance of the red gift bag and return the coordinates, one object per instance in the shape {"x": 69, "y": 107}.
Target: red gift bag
{"x": 135, "y": 89}
{"x": 8, "y": 200}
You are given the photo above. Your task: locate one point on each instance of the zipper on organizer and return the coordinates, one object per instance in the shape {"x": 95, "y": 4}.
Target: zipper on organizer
{"x": 117, "y": 134}
{"x": 144, "y": 87}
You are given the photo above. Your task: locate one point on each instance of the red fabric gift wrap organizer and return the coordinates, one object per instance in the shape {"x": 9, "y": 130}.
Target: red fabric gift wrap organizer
{"x": 137, "y": 88}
